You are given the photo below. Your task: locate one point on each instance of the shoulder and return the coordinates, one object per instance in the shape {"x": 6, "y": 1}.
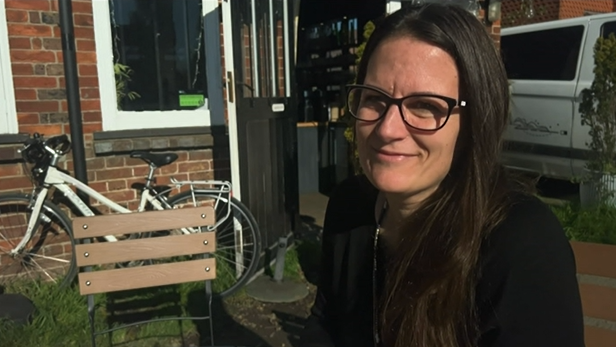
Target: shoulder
{"x": 529, "y": 238}
{"x": 351, "y": 204}
{"x": 528, "y": 221}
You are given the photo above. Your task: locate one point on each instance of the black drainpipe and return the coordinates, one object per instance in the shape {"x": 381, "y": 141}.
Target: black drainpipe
{"x": 72, "y": 92}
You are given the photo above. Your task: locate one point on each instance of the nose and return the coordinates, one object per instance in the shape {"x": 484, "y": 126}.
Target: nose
{"x": 392, "y": 126}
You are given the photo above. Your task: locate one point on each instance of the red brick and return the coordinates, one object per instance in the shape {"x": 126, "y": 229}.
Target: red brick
{"x": 10, "y": 170}
{"x": 86, "y": 46}
{"x": 46, "y": 129}
{"x": 82, "y": 7}
{"x": 35, "y": 17}
{"x": 95, "y": 163}
{"x": 89, "y": 81}
{"x": 35, "y": 82}
{"x": 37, "y": 106}
{"x": 194, "y": 166}
{"x": 92, "y": 116}
{"x": 91, "y": 105}
{"x": 84, "y": 33}
{"x": 98, "y": 186}
{"x": 21, "y": 69}
{"x": 33, "y": 56}
{"x": 39, "y": 5}
{"x": 89, "y": 128}
{"x": 29, "y": 30}
{"x": 19, "y": 43}
{"x": 90, "y": 93}
{"x": 25, "y": 94}
{"x": 109, "y": 174}
{"x": 28, "y": 118}
{"x": 87, "y": 70}
{"x": 116, "y": 185}
{"x": 121, "y": 196}
{"x": 15, "y": 183}
{"x": 81, "y": 19}
{"x": 37, "y": 43}
{"x": 16, "y": 16}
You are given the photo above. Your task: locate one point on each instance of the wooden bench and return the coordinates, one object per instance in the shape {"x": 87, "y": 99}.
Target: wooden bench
{"x": 596, "y": 268}
{"x": 97, "y": 260}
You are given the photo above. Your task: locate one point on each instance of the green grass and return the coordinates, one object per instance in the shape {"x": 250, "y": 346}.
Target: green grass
{"x": 61, "y": 318}
{"x": 595, "y": 224}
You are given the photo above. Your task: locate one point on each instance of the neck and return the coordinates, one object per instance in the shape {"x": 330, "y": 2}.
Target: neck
{"x": 399, "y": 208}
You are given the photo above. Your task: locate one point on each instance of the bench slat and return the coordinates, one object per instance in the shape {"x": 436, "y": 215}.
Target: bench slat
{"x": 138, "y": 222}
{"x": 145, "y": 248}
{"x": 105, "y": 281}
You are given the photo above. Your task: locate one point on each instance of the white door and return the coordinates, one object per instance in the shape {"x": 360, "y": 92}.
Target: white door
{"x": 597, "y": 28}
{"x": 542, "y": 69}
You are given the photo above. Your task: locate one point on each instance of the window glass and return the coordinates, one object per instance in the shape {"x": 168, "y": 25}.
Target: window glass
{"x": 543, "y": 55}
{"x": 159, "y": 54}
{"x": 608, "y": 28}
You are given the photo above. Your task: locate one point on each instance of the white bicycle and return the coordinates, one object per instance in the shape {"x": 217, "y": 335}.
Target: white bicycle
{"x": 36, "y": 239}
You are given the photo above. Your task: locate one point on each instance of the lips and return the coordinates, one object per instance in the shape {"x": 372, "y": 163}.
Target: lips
{"x": 391, "y": 156}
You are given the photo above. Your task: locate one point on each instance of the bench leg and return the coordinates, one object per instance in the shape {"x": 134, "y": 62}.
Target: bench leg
{"x": 91, "y": 310}
{"x": 208, "y": 295}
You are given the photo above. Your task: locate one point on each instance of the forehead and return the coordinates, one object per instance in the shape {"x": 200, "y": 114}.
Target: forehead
{"x": 401, "y": 65}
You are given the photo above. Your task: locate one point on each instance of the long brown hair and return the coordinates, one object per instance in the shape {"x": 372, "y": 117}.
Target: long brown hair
{"x": 429, "y": 296}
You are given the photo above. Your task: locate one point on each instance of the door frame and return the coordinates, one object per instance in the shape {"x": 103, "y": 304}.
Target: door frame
{"x": 230, "y": 102}
{"x": 229, "y": 81}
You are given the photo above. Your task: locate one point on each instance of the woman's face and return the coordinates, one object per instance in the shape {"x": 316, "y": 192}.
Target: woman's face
{"x": 397, "y": 158}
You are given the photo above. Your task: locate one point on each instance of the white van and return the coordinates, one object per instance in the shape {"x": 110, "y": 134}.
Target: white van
{"x": 548, "y": 65}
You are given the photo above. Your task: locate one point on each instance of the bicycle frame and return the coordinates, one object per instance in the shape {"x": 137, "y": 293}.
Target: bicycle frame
{"x": 61, "y": 181}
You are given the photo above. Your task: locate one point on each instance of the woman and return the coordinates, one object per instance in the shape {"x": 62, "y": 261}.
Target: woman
{"x": 434, "y": 245}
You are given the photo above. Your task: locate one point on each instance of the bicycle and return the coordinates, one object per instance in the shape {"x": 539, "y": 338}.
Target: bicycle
{"x": 50, "y": 255}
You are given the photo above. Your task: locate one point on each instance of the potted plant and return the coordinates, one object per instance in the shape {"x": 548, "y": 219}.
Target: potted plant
{"x": 598, "y": 111}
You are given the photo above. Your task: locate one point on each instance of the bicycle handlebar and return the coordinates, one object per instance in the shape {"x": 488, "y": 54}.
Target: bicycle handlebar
{"x": 36, "y": 146}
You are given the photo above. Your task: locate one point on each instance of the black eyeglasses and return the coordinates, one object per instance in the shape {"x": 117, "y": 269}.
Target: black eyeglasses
{"x": 427, "y": 112}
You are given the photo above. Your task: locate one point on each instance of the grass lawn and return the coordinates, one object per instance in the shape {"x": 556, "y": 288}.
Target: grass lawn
{"x": 61, "y": 318}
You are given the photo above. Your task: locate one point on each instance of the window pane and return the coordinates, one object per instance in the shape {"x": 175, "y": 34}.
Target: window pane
{"x": 543, "y": 55}
{"x": 608, "y": 28}
{"x": 162, "y": 43}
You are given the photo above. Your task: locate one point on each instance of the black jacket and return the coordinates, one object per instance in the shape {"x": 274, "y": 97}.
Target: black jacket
{"x": 527, "y": 296}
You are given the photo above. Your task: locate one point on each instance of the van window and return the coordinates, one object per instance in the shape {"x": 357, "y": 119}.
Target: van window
{"x": 543, "y": 55}
{"x": 608, "y": 28}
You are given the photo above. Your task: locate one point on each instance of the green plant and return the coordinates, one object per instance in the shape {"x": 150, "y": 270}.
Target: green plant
{"x": 349, "y": 132}
{"x": 593, "y": 224}
{"x": 122, "y": 77}
{"x": 598, "y": 111}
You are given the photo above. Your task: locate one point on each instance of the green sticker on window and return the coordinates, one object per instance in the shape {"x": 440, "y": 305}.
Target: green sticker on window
{"x": 191, "y": 100}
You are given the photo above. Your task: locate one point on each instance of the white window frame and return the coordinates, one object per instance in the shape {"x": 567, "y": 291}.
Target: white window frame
{"x": 8, "y": 111}
{"x": 114, "y": 119}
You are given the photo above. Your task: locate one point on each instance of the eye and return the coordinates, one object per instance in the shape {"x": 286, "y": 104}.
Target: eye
{"x": 373, "y": 100}
{"x": 426, "y": 107}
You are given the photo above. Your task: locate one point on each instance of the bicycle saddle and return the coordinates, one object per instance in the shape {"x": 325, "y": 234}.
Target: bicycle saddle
{"x": 156, "y": 159}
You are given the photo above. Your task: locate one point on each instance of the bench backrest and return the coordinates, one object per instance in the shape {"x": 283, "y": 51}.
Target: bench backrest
{"x": 146, "y": 248}
{"x": 596, "y": 268}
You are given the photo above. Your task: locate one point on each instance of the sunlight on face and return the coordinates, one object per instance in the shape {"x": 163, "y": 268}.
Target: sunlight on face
{"x": 396, "y": 158}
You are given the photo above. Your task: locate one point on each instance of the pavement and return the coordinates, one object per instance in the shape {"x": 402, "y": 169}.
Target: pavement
{"x": 312, "y": 213}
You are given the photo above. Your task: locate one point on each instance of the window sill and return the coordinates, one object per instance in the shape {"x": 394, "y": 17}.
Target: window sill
{"x": 123, "y": 141}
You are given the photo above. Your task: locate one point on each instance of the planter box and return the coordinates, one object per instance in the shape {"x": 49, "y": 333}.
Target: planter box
{"x": 596, "y": 269}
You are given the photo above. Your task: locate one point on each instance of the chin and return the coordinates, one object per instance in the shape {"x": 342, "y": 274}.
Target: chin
{"x": 390, "y": 181}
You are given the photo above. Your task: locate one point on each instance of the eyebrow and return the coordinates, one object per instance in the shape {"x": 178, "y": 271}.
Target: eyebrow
{"x": 423, "y": 92}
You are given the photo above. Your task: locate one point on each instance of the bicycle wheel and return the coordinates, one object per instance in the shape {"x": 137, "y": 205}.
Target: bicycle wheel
{"x": 48, "y": 255}
{"x": 238, "y": 240}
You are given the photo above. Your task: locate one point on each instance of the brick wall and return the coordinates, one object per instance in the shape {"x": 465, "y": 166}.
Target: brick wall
{"x": 514, "y": 11}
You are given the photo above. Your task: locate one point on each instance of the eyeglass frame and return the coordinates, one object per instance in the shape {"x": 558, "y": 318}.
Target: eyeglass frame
{"x": 451, "y": 103}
